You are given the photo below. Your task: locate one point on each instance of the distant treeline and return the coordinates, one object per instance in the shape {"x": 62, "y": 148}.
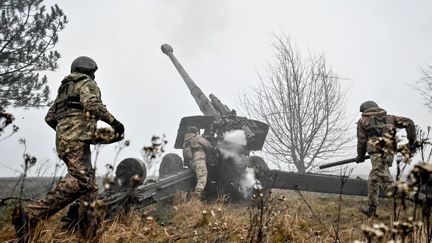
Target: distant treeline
{"x": 34, "y": 187}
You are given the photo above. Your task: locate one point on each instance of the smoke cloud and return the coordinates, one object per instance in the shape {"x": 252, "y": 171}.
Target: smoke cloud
{"x": 233, "y": 147}
{"x": 248, "y": 181}
{"x": 153, "y": 168}
{"x": 235, "y": 137}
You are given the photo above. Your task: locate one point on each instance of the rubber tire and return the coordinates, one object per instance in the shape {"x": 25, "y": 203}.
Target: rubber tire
{"x": 259, "y": 165}
{"x": 127, "y": 169}
{"x": 170, "y": 164}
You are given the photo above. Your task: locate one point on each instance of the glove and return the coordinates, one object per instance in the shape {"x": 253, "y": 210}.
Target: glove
{"x": 360, "y": 159}
{"x": 117, "y": 126}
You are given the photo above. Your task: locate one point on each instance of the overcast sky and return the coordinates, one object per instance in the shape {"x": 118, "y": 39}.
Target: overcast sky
{"x": 378, "y": 47}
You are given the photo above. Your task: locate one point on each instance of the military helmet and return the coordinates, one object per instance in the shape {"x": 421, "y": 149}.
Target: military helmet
{"x": 192, "y": 129}
{"x": 367, "y": 105}
{"x": 84, "y": 64}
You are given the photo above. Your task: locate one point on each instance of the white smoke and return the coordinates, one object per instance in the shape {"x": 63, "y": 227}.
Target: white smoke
{"x": 248, "y": 181}
{"x": 233, "y": 147}
{"x": 235, "y": 137}
{"x": 153, "y": 168}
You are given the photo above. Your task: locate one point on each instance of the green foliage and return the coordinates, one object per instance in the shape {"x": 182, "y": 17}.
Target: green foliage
{"x": 28, "y": 34}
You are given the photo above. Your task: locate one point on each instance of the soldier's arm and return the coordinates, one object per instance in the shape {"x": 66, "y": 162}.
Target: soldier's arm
{"x": 90, "y": 99}
{"x": 408, "y": 124}
{"x": 50, "y": 118}
{"x": 205, "y": 143}
{"x": 361, "y": 140}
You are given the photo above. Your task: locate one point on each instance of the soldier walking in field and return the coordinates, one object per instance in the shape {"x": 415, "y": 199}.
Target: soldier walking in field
{"x": 376, "y": 135}
{"x": 195, "y": 149}
{"x": 73, "y": 115}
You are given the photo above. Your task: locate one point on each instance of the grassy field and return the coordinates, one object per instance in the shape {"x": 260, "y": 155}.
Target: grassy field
{"x": 287, "y": 217}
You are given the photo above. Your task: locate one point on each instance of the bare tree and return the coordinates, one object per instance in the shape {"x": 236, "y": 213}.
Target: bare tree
{"x": 302, "y": 101}
{"x": 424, "y": 86}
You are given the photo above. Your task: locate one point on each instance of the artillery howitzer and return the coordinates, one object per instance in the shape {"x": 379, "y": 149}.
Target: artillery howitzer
{"x": 224, "y": 172}
{"x": 228, "y": 162}
{"x": 218, "y": 119}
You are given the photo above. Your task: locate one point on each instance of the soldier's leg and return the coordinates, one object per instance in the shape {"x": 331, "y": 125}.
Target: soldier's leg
{"x": 90, "y": 215}
{"x": 373, "y": 190}
{"x": 79, "y": 181}
{"x": 386, "y": 179}
{"x": 57, "y": 198}
{"x": 66, "y": 190}
{"x": 200, "y": 169}
{"x": 374, "y": 180}
{"x": 381, "y": 175}
{"x": 70, "y": 219}
{"x": 73, "y": 215}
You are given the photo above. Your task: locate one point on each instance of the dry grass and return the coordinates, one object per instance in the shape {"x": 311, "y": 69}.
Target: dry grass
{"x": 194, "y": 221}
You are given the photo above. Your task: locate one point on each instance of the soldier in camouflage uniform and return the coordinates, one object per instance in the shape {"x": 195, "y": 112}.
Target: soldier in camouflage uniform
{"x": 195, "y": 149}
{"x": 376, "y": 135}
{"x": 73, "y": 116}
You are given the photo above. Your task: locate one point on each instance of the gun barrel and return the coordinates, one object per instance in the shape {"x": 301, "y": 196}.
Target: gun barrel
{"x": 341, "y": 162}
{"x": 202, "y": 101}
{"x": 218, "y": 105}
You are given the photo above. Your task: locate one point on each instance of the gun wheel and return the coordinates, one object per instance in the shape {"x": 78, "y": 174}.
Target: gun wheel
{"x": 259, "y": 166}
{"x": 130, "y": 170}
{"x": 170, "y": 164}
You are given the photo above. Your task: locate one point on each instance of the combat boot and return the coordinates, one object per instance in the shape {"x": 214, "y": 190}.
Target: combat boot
{"x": 369, "y": 211}
{"x": 21, "y": 222}
{"x": 196, "y": 196}
{"x": 71, "y": 219}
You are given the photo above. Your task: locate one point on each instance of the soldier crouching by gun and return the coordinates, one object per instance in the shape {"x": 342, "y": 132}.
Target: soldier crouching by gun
{"x": 74, "y": 114}
{"x": 195, "y": 149}
{"x": 376, "y": 134}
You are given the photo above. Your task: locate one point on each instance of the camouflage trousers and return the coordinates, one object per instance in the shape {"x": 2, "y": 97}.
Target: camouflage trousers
{"x": 200, "y": 168}
{"x": 379, "y": 176}
{"x": 78, "y": 183}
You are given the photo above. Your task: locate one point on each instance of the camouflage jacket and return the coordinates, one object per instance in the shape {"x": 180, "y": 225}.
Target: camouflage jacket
{"x": 78, "y": 126}
{"x": 195, "y": 147}
{"x": 376, "y": 131}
